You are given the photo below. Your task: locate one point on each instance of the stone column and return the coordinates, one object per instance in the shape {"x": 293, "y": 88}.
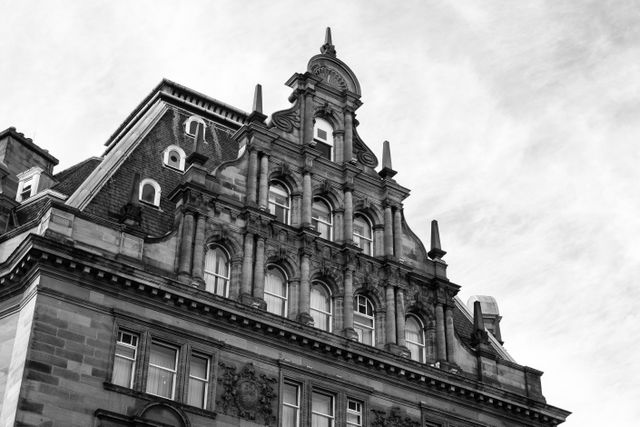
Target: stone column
{"x": 400, "y": 317}
{"x": 304, "y": 295}
{"x": 306, "y": 198}
{"x": 296, "y": 209}
{"x": 347, "y": 305}
{"x": 348, "y": 214}
{"x": 258, "y": 270}
{"x": 308, "y": 118}
{"x": 390, "y": 321}
{"x": 448, "y": 315}
{"x": 441, "y": 349}
{"x": 388, "y": 231}
{"x": 263, "y": 189}
{"x": 235, "y": 277}
{"x": 198, "y": 249}
{"x": 348, "y": 136}
{"x": 247, "y": 264}
{"x": 186, "y": 244}
{"x": 252, "y": 177}
{"x": 397, "y": 232}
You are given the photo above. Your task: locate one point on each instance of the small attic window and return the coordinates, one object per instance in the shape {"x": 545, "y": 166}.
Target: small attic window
{"x": 28, "y": 183}
{"x": 174, "y": 157}
{"x": 149, "y": 192}
{"x": 191, "y": 125}
{"x": 323, "y": 138}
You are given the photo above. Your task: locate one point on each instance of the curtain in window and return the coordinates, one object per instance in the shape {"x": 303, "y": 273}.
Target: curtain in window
{"x": 162, "y": 367}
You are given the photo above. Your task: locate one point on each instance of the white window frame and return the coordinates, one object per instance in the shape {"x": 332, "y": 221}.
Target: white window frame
{"x": 315, "y": 220}
{"x": 354, "y": 412}
{"x": 121, "y": 343}
{"x": 328, "y": 314}
{"x": 198, "y": 119}
{"x": 420, "y": 346}
{"x": 205, "y": 380}
{"x": 181, "y": 153}
{"x": 361, "y": 237}
{"x": 285, "y": 298}
{"x": 295, "y": 405}
{"x": 173, "y": 372}
{"x": 325, "y": 126}
{"x": 332, "y": 416}
{"x": 359, "y": 325}
{"x": 216, "y": 275}
{"x": 156, "y": 196}
{"x": 272, "y": 202}
{"x": 29, "y": 177}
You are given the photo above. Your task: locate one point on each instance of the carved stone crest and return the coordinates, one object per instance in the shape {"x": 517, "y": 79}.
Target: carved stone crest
{"x": 394, "y": 419}
{"x": 247, "y": 394}
{"x": 330, "y": 76}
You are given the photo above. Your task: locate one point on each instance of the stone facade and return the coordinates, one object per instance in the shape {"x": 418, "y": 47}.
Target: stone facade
{"x": 214, "y": 267}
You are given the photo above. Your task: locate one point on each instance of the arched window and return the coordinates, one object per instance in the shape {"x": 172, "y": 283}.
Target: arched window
{"x": 279, "y": 201}
{"x": 276, "y": 291}
{"x": 322, "y": 218}
{"x": 321, "y": 307}
{"x": 323, "y": 137}
{"x": 216, "y": 272}
{"x": 414, "y": 337}
{"x": 362, "y": 234}
{"x": 364, "y": 320}
{"x": 174, "y": 157}
{"x": 192, "y": 124}
{"x": 149, "y": 192}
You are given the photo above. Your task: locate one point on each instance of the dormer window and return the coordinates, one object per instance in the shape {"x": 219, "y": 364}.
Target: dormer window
{"x": 150, "y": 192}
{"x": 174, "y": 157}
{"x": 28, "y": 183}
{"x": 323, "y": 138}
{"x": 192, "y": 124}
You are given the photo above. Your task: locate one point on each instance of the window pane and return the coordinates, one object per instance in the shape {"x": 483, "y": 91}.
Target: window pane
{"x": 289, "y": 417}
{"x": 160, "y": 382}
{"x": 322, "y": 404}
{"x": 198, "y": 367}
{"x": 122, "y": 372}
{"x": 197, "y": 393}
{"x": 148, "y": 193}
{"x": 216, "y": 272}
{"x": 163, "y": 356}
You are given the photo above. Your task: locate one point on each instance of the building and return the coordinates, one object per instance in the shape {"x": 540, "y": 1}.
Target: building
{"x": 215, "y": 268}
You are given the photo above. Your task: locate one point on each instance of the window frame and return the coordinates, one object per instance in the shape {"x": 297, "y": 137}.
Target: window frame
{"x": 420, "y": 346}
{"x": 286, "y": 209}
{"x": 361, "y": 237}
{"x": 132, "y": 369}
{"x": 356, "y": 413}
{"x": 156, "y": 195}
{"x": 372, "y": 317}
{"x": 216, "y": 275}
{"x": 332, "y": 416}
{"x": 206, "y": 380}
{"x": 285, "y": 298}
{"x": 315, "y": 220}
{"x": 181, "y": 162}
{"x": 329, "y": 314}
{"x": 325, "y": 126}
{"x": 297, "y": 406}
{"x": 31, "y": 179}
{"x": 173, "y": 372}
{"x": 200, "y": 121}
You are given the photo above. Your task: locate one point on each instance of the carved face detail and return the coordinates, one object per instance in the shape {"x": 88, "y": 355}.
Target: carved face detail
{"x": 248, "y": 395}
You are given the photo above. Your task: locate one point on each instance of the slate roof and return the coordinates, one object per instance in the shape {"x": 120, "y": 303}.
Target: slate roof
{"x": 70, "y": 179}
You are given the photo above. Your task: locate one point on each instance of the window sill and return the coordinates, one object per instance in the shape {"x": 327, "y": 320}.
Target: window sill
{"x": 153, "y": 398}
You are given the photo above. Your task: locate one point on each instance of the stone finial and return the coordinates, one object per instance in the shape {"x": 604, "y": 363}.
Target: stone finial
{"x": 387, "y": 171}
{"x": 479, "y": 336}
{"x": 436, "y": 251}
{"x": 328, "y": 48}
{"x": 198, "y": 157}
{"x": 131, "y": 213}
{"x": 257, "y": 115}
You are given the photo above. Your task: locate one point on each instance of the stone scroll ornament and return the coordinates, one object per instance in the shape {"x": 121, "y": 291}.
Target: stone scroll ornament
{"x": 287, "y": 120}
{"x": 247, "y": 394}
{"x": 394, "y": 419}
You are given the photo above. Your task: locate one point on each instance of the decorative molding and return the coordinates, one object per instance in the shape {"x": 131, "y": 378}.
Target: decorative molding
{"x": 247, "y": 394}
{"x": 329, "y": 76}
{"x": 394, "y": 419}
{"x": 287, "y": 120}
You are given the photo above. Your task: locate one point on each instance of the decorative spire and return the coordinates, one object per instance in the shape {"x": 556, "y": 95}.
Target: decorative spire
{"x": 257, "y": 115}
{"x": 436, "y": 251}
{"x": 131, "y": 214}
{"x": 198, "y": 157}
{"x": 387, "y": 171}
{"x": 479, "y": 335}
{"x": 328, "y": 48}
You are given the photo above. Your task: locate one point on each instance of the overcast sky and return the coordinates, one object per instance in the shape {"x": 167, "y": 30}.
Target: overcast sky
{"x": 515, "y": 124}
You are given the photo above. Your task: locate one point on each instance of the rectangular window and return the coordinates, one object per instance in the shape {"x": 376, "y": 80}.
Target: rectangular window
{"x": 354, "y": 413}
{"x": 163, "y": 364}
{"x": 322, "y": 410}
{"x": 198, "y": 381}
{"x": 290, "y": 405}
{"x": 124, "y": 364}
